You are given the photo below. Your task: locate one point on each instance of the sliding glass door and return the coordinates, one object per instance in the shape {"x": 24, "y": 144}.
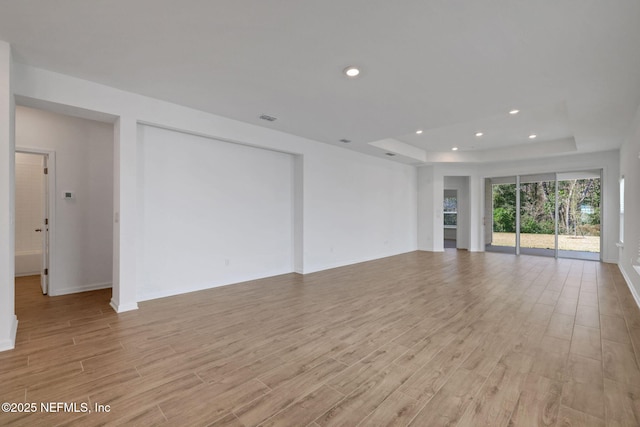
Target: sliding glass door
{"x": 545, "y": 214}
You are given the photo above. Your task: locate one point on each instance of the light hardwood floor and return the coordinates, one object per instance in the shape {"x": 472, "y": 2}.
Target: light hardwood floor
{"x": 421, "y": 339}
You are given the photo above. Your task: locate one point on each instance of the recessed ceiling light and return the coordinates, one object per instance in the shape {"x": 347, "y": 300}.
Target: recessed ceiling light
{"x": 454, "y": 149}
{"x": 479, "y": 134}
{"x": 533, "y": 136}
{"x": 419, "y": 131}
{"x": 345, "y": 140}
{"x": 514, "y": 111}
{"x": 352, "y": 71}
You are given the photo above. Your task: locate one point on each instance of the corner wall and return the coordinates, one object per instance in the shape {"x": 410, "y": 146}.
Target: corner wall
{"x": 356, "y": 208}
{"x": 629, "y": 262}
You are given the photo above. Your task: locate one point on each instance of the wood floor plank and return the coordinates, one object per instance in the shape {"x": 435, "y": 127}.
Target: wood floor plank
{"x": 538, "y": 404}
{"x": 129, "y": 400}
{"x": 571, "y": 418}
{"x": 566, "y": 306}
{"x": 586, "y": 342}
{"x": 242, "y": 375}
{"x": 359, "y": 373}
{"x": 614, "y": 328}
{"x": 620, "y": 363}
{"x": 396, "y": 410}
{"x": 588, "y": 298}
{"x": 555, "y": 345}
{"x": 365, "y": 399}
{"x": 202, "y": 406}
{"x": 288, "y": 392}
{"x": 426, "y": 381}
{"x": 549, "y": 298}
{"x": 588, "y": 316}
{"x": 622, "y": 403}
{"x": 554, "y": 366}
{"x": 608, "y": 304}
{"x": 584, "y": 390}
{"x": 451, "y": 401}
{"x": 228, "y": 421}
{"x": 307, "y": 409}
{"x": 499, "y": 396}
{"x": 541, "y": 313}
{"x": 560, "y": 326}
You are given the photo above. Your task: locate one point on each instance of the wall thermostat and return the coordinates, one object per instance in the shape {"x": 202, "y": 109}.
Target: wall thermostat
{"x": 68, "y": 195}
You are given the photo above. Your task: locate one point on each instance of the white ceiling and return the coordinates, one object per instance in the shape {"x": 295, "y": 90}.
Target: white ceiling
{"x": 451, "y": 68}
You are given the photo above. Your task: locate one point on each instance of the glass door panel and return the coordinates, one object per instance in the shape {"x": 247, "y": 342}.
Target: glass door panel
{"x": 537, "y": 214}
{"x": 502, "y": 215}
{"x": 579, "y": 195}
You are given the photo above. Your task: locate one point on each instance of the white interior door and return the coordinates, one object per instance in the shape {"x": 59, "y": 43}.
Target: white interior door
{"x": 44, "y": 277}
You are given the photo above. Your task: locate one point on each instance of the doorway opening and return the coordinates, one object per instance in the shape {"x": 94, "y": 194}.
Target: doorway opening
{"x": 450, "y": 215}
{"x": 32, "y": 227}
{"x": 555, "y": 214}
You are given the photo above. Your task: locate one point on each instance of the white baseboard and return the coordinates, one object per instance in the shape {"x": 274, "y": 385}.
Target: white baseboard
{"x": 632, "y": 289}
{"x": 10, "y": 343}
{"x": 121, "y": 308}
{"x": 91, "y": 287}
{"x": 34, "y": 273}
{"x": 345, "y": 263}
{"x": 146, "y": 294}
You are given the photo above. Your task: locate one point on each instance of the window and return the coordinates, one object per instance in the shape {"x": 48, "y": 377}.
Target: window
{"x": 622, "y": 210}
{"x": 450, "y": 212}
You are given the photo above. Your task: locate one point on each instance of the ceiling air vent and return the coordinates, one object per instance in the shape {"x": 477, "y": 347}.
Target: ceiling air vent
{"x": 268, "y": 118}
{"x": 345, "y": 140}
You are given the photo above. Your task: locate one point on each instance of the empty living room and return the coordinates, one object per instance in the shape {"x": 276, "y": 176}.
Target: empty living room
{"x": 356, "y": 213}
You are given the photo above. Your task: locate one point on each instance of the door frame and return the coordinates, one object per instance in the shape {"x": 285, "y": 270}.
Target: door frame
{"x": 51, "y": 200}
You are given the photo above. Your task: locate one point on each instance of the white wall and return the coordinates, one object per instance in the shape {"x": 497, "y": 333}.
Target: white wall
{"x": 356, "y": 208}
{"x": 29, "y": 202}
{"x": 29, "y": 213}
{"x": 8, "y": 320}
{"x": 430, "y": 200}
{"x": 630, "y": 169}
{"x": 211, "y": 213}
{"x": 81, "y": 235}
